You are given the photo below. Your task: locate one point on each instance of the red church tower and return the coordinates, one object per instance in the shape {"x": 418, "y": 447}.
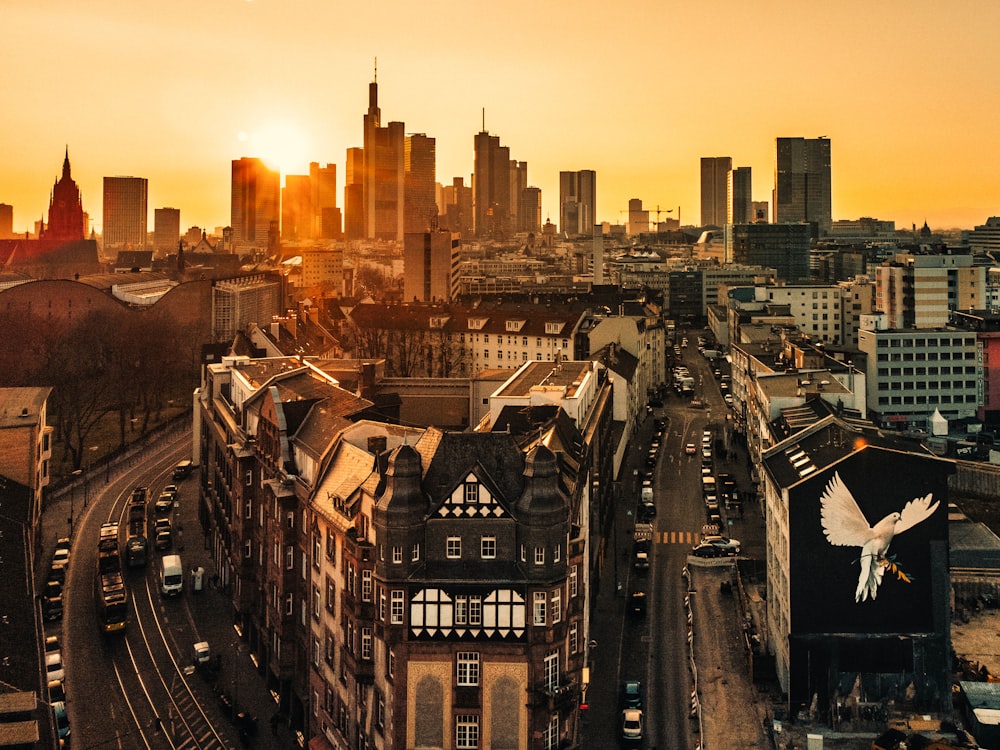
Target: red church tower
{"x": 66, "y": 220}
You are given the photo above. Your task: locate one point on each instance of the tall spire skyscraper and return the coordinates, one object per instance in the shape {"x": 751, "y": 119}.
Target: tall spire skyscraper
{"x": 384, "y": 173}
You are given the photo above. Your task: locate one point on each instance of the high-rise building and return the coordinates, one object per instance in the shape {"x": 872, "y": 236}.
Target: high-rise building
{"x": 166, "y": 229}
{"x": 67, "y": 220}
{"x": 529, "y": 210}
{"x": 456, "y": 207}
{"x": 802, "y": 183}
{"x": 420, "y": 206}
{"x": 431, "y": 264}
{"x": 296, "y": 208}
{"x": 491, "y": 186}
{"x": 578, "y": 202}
{"x": 255, "y": 204}
{"x": 638, "y": 217}
{"x": 6, "y": 221}
{"x": 784, "y": 247}
{"x": 742, "y": 196}
{"x": 354, "y": 194}
{"x": 384, "y": 173}
{"x": 716, "y": 190}
{"x": 125, "y": 212}
{"x": 325, "y": 213}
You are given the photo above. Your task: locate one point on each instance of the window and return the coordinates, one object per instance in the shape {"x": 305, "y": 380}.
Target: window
{"x": 396, "y": 602}
{"x": 524, "y": 554}
{"x": 317, "y": 598}
{"x": 539, "y": 555}
{"x": 475, "y": 610}
{"x": 397, "y": 554}
{"x": 379, "y": 710}
{"x": 472, "y": 492}
{"x": 248, "y": 510}
{"x": 552, "y": 670}
{"x": 381, "y": 604}
{"x": 539, "y": 608}
{"x": 557, "y": 606}
{"x": 366, "y": 585}
{"x": 289, "y": 603}
{"x": 488, "y": 547}
{"x": 315, "y": 651}
{"x": 557, "y": 553}
{"x": 466, "y": 731}
{"x": 289, "y": 557}
{"x": 331, "y": 549}
{"x": 550, "y": 737}
{"x": 390, "y": 664}
{"x": 454, "y": 547}
{"x": 461, "y": 609}
{"x": 467, "y": 668}
{"x": 574, "y": 638}
{"x": 331, "y": 594}
{"x": 415, "y": 552}
{"x": 366, "y": 643}
{"x": 352, "y": 580}
{"x": 572, "y": 581}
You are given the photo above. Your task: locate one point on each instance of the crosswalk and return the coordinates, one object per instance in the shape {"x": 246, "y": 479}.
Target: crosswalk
{"x": 677, "y": 537}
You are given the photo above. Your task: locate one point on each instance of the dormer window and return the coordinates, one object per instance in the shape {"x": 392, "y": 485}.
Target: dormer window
{"x": 471, "y": 493}
{"x": 515, "y": 325}
{"x": 553, "y": 328}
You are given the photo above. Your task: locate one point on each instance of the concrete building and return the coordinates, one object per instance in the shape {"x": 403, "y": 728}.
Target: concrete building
{"x": 986, "y": 325}
{"x": 491, "y": 187}
{"x": 913, "y": 371}
{"x": 431, "y": 263}
{"x": 255, "y": 203}
{"x": 456, "y": 208}
{"x": 324, "y": 267}
{"x": 716, "y": 191}
{"x": 742, "y": 197}
{"x": 985, "y": 238}
{"x": 529, "y": 210}
{"x": 6, "y": 221}
{"x": 577, "y": 202}
{"x": 918, "y": 291}
{"x": 784, "y": 247}
{"x": 420, "y": 178}
{"x": 246, "y": 299}
{"x": 166, "y": 230}
{"x": 354, "y": 194}
{"x": 802, "y": 185}
{"x": 26, "y": 447}
{"x": 125, "y": 213}
{"x": 857, "y": 298}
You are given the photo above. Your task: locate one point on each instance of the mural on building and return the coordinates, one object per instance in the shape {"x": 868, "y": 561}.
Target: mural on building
{"x": 845, "y": 525}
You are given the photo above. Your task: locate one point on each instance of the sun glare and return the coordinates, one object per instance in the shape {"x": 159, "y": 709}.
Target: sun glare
{"x": 282, "y": 146}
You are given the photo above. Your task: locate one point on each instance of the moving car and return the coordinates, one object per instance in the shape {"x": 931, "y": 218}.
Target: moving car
{"x": 183, "y": 470}
{"x": 631, "y": 694}
{"x": 632, "y": 724}
{"x": 637, "y": 603}
{"x": 690, "y": 449}
{"x": 731, "y": 546}
{"x": 708, "y": 551}
{"x": 164, "y": 504}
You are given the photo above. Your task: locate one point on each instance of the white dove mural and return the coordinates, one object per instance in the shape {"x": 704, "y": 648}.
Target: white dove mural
{"x": 846, "y": 526}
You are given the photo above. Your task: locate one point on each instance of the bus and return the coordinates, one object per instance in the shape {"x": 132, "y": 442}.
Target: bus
{"x": 109, "y": 583}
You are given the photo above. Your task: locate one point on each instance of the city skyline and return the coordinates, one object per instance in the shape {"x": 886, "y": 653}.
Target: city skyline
{"x": 903, "y": 91}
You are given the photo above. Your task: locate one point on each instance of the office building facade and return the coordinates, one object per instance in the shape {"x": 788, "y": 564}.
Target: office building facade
{"x": 166, "y": 230}
{"x": 578, "y": 202}
{"x": 491, "y": 187}
{"x": 254, "y": 204}
{"x": 784, "y": 247}
{"x": 742, "y": 197}
{"x": 431, "y": 264}
{"x": 716, "y": 190}
{"x": 420, "y": 178}
{"x": 384, "y": 174}
{"x": 802, "y": 189}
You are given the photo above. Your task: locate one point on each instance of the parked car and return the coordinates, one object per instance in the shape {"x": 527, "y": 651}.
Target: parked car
{"x": 57, "y": 573}
{"x": 61, "y": 719}
{"x": 164, "y": 504}
{"x": 57, "y": 691}
{"x": 52, "y": 600}
{"x": 631, "y": 694}
{"x": 632, "y": 724}
{"x": 708, "y": 550}
{"x": 61, "y": 554}
{"x": 51, "y": 643}
{"x": 54, "y": 666}
{"x": 731, "y": 546}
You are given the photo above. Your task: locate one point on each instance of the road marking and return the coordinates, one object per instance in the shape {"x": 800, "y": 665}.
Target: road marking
{"x": 678, "y": 537}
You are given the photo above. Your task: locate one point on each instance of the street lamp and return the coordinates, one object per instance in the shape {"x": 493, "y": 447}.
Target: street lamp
{"x": 72, "y": 494}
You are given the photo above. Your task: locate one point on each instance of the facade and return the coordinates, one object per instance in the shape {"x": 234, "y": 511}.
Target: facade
{"x": 243, "y": 300}
{"x": 354, "y": 194}
{"x": 326, "y": 220}
{"x": 842, "y": 609}
{"x": 578, "y": 202}
{"x": 384, "y": 173}
{"x": 296, "y": 208}
{"x": 913, "y": 372}
{"x": 323, "y": 267}
{"x": 783, "y": 247}
{"x": 802, "y": 190}
{"x": 125, "y": 213}
{"x": 255, "y": 202}
{"x": 67, "y": 221}
{"x": 857, "y": 298}
{"x": 743, "y": 197}
{"x": 529, "y": 210}
{"x": 6, "y": 221}
{"x": 456, "y": 208}
{"x": 918, "y": 291}
{"x": 716, "y": 191}
{"x": 985, "y": 238}
{"x": 419, "y": 160}
{"x": 491, "y": 194}
{"x": 26, "y": 449}
{"x": 166, "y": 230}
{"x": 638, "y": 217}
{"x": 816, "y": 309}
{"x": 431, "y": 263}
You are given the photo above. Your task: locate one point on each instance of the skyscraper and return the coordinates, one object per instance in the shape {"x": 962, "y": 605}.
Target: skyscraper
{"x": 125, "y": 212}
{"x": 578, "y": 202}
{"x": 420, "y": 207}
{"x": 529, "y": 210}
{"x": 384, "y": 173}
{"x": 6, "y": 221}
{"x": 166, "y": 229}
{"x": 742, "y": 196}
{"x": 296, "y": 208}
{"x": 802, "y": 183}
{"x": 456, "y": 203}
{"x": 491, "y": 186}
{"x": 354, "y": 194}
{"x": 67, "y": 220}
{"x": 255, "y": 203}
{"x": 326, "y": 214}
{"x": 716, "y": 190}
{"x": 431, "y": 265}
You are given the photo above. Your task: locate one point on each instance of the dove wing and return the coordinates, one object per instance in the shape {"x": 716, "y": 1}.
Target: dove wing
{"x": 915, "y": 511}
{"x": 843, "y": 522}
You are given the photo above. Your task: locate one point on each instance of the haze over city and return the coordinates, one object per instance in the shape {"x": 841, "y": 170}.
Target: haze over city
{"x": 173, "y": 93}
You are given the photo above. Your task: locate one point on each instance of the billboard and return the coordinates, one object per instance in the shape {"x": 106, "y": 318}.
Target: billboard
{"x": 868, "y": 545}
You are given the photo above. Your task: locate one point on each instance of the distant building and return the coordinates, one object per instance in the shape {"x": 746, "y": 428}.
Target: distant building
{"x": 326, "y": 216}
{"x": 742, "y": 197}
{"x": 431, "y": 263}
{"x": 384, "y": 175}
{"x": 918, "y": 291}
{"x": 236, "y": 302}
{"x": 456, "y": 208}
{"x": 491, "y": 187}
{"x": 323, "y": 267}
{"x": 578, "y": 202}
{"x": 354, "y": 194}
{"x": 638, "y": 217}
{"x": 255, "y": 204}
{"x": 802, "y": 189}
{"x": 296, "y": 208}
{"x": 985, "y": 238}
{"x": 420, "y": 206}
{"x": 529, "y": 211}
{"x": 759, "y": 212}
{"x": 67, "y": 220}
{"x": 166, "y": 230}
{"x": 6, "y": 221}
{"x": 784, "y": 247}
{"x": 716, "y": 190}
{"x": 126, "y": 214}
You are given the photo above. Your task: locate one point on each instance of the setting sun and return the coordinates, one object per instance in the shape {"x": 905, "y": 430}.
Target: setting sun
{"x": 281, "y": 145}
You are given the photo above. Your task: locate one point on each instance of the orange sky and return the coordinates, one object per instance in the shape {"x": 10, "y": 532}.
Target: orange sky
{"x": 905, "y": 90}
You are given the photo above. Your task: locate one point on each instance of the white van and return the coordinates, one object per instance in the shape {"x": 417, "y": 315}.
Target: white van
{"x": 171, "y": 575}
